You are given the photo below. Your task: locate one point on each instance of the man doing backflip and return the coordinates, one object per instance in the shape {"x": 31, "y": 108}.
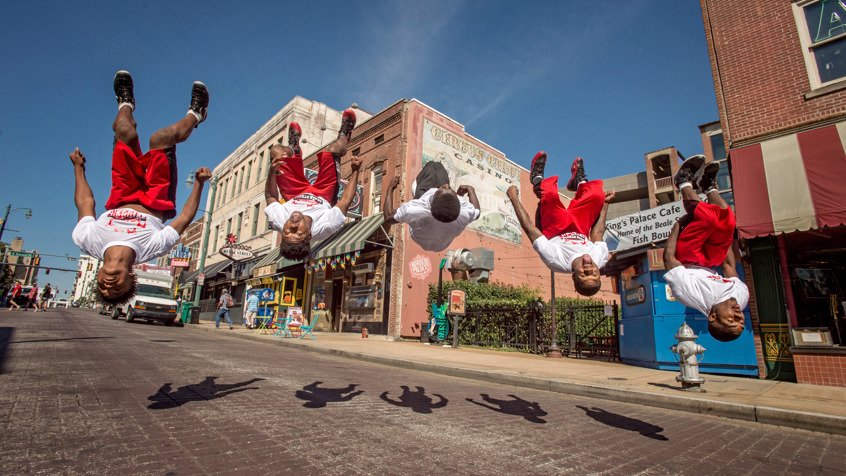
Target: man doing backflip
{"x": 568, "y": 239}
{"x": 438, "y": 213}
{"x": 699, "y": 241}
{"x": 310, "y": 210}
{"x": 142, "y": 195}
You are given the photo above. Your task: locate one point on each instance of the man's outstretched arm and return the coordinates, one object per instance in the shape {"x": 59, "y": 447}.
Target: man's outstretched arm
{"x": 271, "y": 190}
{"x": 349, "y": 192}
{"x": 729, "y": 264}
{"x": 388, "y": 208}
{"x": 531, "y": 230}
{"x": 82, "y": 195}
{"x": 599, "y": 226}
{"x": 181, "y": 222}
{"x": 670, "y": 260}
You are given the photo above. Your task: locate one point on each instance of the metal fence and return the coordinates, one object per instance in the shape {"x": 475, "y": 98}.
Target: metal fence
{"x": 582, "y": 330}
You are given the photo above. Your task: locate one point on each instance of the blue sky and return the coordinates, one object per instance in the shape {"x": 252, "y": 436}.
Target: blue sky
{"x": 607, "y": 81}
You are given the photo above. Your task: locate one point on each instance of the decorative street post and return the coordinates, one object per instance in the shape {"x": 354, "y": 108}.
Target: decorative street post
{"x": 202, "y": 266}
{"x": 553, "y": 349}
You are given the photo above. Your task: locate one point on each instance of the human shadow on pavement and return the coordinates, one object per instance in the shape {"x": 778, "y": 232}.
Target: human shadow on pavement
{"x": 531, "y": 411}
{"x": 625, "y": 423}
{"x": 206, "y": 390}
{"x": 417, "y": 400}
{"x": 318, "y": 397}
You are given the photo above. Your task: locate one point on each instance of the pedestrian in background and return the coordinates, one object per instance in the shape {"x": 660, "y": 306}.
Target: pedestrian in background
{"x": 252, "y": 310}
{"x": 223, "y": 309}
{"x": 15, "y": 295}
{"x": 46, "y": 294}
{"x": 31, "y": 297}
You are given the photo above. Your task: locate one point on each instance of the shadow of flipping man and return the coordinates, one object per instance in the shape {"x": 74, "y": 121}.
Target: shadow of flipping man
{"x": 531, "y": 411}
{"x": 319, "y": 397}
{"x": 416, "y": 400}
{"x": 625, "y": 423}
{"x": 205, "y": 390}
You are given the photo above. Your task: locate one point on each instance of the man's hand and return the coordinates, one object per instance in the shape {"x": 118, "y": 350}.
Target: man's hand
{"x": 609, "y": 196}
{"x": 512, "y": 193}
{"x": 274, "y": 166}
{"x": 77, "y": 158}
{"x": 464, "y": 190}
{"x": 394, "y": 183}
{"x": 355, "y": 163}
{"x": 203, "y": 174}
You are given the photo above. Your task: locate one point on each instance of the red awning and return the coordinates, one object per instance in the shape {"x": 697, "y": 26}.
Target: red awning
{"x": 792, "y": 183}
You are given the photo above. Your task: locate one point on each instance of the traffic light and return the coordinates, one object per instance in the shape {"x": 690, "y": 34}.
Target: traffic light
{"x": 37, "y": 261}
{"x": 90, "y": 266}
{"x": 48, "y": 271}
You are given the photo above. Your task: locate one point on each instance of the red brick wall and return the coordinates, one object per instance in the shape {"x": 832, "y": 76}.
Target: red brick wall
{"x": 821, "y": 369}
{"x": 760, "y": 69}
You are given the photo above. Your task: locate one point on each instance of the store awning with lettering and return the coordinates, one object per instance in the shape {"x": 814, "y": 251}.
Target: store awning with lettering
{"x": 210, "y": 271}
{"x": 791, "y": 183}
{"x": 272, "y": 263}
{"x": 353, "y": 239}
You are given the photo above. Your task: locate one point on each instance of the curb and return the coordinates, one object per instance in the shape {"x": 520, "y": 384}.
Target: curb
{"x": 737, "y": 411}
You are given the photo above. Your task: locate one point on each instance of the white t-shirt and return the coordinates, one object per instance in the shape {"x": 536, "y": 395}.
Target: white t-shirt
{"x": 144, "y": 233}
{"x": 325, "y": 219}
{"x": 700, "y": 288}
{"x": 426, "y": 231}
{"x": 558, "y": 252}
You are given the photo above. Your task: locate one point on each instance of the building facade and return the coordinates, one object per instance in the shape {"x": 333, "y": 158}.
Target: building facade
{"x": 85, "y": 280}
{"x": 780, "y": 84}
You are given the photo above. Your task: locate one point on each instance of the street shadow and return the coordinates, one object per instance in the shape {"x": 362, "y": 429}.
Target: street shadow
{"x": 5, "y": 337}
{"x": 206, "y": 390}
{"x": 625, "y": 423}
{"x": 59, "y": 340}
{"x": 531, "y": 411}
{"x": 417, "y": 400}
{"x": 318, "y": 397}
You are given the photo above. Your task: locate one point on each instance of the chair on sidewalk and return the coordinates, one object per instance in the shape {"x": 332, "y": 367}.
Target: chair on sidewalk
{"x": 281, "y": 322}
{"x": 306, "y": 329}
{"x": 263, "y": 318}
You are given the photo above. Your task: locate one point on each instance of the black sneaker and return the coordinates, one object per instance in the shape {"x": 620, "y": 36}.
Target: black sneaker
{"x": 199, "y": 102}
{"x": 123, "y": 89}
{"x": 538, "y": 164}
{"x": 706, "y": 177}
{"x": 294, "y": 134}
{"x": 578, "y": 170}
{"x": 347, "y": 124}
{"x": 688, "y": 169}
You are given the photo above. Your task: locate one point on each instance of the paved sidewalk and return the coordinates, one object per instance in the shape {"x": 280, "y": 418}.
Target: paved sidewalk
{"x": 810, "y": 407}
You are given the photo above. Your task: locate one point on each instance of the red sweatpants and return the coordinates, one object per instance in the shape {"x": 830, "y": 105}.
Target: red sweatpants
{"x": 149, "y": 179}
{"x": 553, "y": 219}
{"x": 293, "y": 183}
{"x": 707, "y": 238}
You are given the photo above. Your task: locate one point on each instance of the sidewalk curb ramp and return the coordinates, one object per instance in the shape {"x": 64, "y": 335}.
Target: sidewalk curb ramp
{"x": 737, "y": 411}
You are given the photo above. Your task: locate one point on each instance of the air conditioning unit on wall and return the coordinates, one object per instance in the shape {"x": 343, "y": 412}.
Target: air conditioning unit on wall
{"x": 363, "y": 268}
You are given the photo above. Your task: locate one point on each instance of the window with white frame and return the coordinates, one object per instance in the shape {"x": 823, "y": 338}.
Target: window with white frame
{"x": 376, "y": 190}
{"x": 822, "y": 33}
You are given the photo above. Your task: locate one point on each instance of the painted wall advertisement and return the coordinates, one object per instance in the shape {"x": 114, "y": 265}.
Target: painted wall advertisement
{"x": 490, "y": 176}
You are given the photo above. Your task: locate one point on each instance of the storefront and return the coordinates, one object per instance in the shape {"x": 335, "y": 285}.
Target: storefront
{"x": 287, "y": 278}
{"x": 350, "y": 278}
{"x": 791, "y": 211}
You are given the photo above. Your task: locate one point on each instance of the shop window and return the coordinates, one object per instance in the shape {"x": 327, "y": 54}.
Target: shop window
{"x": 822, "y": 34}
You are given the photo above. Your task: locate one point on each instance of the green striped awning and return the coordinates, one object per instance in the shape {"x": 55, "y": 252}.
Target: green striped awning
{"x": 353, "y": 239}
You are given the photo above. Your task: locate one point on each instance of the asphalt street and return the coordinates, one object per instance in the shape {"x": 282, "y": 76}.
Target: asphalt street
{"x": 83, "y": 394}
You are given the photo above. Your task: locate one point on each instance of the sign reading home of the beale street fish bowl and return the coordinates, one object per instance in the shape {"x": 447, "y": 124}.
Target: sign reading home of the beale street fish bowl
{"x": 236, "y": 252}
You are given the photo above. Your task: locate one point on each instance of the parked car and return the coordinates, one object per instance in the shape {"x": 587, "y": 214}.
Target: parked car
{"x": 75, "y": 304}
{"x": 153, "y": 301}
{"x": 62, "y": 302}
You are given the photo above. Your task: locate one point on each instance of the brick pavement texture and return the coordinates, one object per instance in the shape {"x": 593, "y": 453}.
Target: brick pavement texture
{"x": 82, "y": 394}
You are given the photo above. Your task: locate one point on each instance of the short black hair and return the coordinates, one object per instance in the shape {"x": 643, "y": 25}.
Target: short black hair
{"x": 118, "y": 300}
{"x": 586, "y": 289}
{"x": 723, "y": 333}
{"x": 287, "y": 149}
{"x": 445, "y": 206}
{"x": 295, "y": 251}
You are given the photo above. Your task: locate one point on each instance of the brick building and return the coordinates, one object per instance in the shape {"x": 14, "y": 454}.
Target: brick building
{"x": 780, "y": 80}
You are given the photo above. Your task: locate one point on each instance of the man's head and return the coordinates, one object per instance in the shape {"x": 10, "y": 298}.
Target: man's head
{"x": 445, "y": 204}
{"x": 115, "y": 284}
{"x": 586, "y": 276}
{"x": 296, "y": 237}
{"x": 726, "y": 320}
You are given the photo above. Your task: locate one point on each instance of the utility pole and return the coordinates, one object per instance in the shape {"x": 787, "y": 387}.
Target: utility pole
{"x": 202, "y": 266}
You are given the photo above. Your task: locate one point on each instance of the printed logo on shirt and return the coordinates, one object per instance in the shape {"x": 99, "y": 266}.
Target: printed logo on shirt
{"x": 718, "y": 278}
{"x": 126, "y": 221}
{"x": 574, "y": 238}
{"x": 308, "y": 200}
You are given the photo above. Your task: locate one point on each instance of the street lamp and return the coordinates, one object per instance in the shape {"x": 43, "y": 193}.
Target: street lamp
{"x": 202, "y": 267}
{"x": 3, "y": 228}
